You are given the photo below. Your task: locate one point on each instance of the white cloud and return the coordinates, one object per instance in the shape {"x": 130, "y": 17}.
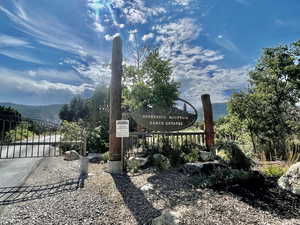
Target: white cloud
{"x": 10, "y": 41}
{"x": 99, "y": 27}
{"x": 132, "y": 34}
{"x": 96, "y": 72}
{"x": 46, "y": 28}
{"x": 111, "y": 37}
{"x": 137, "y": 12}
{"x": 21, "y": 56}
{"x": 195, "y": 67}
{"x": 183, "y": 2}
{"x": 148, "y": 36}
{"x": 18, "y": 83}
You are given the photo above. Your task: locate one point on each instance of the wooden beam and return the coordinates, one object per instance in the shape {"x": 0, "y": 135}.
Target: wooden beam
{"x": 115, "y": 100}
{"x": 208, "y": 121}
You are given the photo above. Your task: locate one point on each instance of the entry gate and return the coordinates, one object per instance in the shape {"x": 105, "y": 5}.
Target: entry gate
{"x": 29, "y": 138}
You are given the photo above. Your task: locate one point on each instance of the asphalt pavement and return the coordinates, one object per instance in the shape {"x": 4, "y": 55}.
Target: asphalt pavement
{"x": 13, "y": 172}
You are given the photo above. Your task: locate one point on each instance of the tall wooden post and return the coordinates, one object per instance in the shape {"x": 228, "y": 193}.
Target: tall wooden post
{"x": 208, "y": 121}
{"x": 114, "y": 164}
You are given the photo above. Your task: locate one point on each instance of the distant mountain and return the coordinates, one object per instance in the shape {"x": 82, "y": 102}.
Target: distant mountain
{"x": 42, "y": 112}
{"x": 219, "y": 110}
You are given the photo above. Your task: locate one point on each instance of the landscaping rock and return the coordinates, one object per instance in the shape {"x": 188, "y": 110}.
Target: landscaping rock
{"x": 147, "y": 187}
{"x": 206, "y": 156}
{"x": 232, "y": 155}
{"x": 161, "y": 161}
{"x": 71, "y": 155}
{"x": 201, "y": 168}
{"x": 290, "y": 181}
{"x": 135, "y": 163}
{"x": 167, "y": 217}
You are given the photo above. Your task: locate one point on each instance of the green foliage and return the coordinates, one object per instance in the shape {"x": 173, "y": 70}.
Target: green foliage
{"x": 268, "y": 110}
{"x": 95, "y": 142}
{"x": 191, "y": 157}
{"x": 104, "y": 157}
{"x": 76, "y": 110}
{"x": 21, "y": 132}
{"x": 231, "y": 154}
{"x": 274, "y": 170}
{"x": 71, "y": 132}
{"x": 150, "y": 85}
{"x": 161, "y": 162}
{"x": 226, "y": 176}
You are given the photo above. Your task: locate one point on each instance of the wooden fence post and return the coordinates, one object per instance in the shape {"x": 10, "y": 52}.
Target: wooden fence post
{"x": 114, "y": 164}
{"x": 208, "y": 121}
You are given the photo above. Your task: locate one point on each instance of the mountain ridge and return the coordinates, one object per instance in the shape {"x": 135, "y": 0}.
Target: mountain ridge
{"x": 39, "y": 112}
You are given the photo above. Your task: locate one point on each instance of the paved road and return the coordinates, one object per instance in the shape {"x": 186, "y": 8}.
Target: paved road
{"x": 13, "y": 172}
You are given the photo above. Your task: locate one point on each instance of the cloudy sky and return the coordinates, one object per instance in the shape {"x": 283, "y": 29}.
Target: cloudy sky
{"x": 52, "y": 50}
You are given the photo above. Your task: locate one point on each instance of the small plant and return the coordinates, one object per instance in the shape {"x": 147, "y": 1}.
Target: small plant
{"x": 224, "y": 176}
{"x": 274, "y": 170}
{"x": 21, "y": 132}
{"x": 95, "y": 142}
{"x": 191, "y": 157}
{"x": 71, "y": 133}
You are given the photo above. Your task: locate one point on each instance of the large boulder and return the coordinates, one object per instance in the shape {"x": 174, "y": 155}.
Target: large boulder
{"x": 206, "y": 156}
{"x": 290, "y": 181}
{"x": 201, "y": 168}
{"x": 231, "y": 154}
{"x": 135, "y": 163}
{"x": 71, "y": 155}
{"x": 168, "y": 217}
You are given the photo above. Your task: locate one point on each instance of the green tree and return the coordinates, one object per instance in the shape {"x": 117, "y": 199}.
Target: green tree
{"x": 76, "y": 110}
{"x": 151, "y": 84}
{"x": 268, "y": 108}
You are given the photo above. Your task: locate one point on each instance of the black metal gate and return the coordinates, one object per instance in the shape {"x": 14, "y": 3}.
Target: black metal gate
{"x": 29, "y": 138}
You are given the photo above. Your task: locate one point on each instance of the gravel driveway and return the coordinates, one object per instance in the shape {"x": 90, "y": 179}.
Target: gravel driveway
{"x": 107, "y": 199}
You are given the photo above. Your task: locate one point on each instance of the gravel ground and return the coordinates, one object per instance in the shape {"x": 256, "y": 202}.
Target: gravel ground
{"x": 107, "y": 199}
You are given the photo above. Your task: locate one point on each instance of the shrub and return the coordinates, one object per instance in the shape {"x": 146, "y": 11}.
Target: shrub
{"x": 161, "y": 162}
{"x": 95, "y": 141}
{"x": 21, "y": 132}
{"x": 71, "y": 133}
{"x": 274, "y": 170}
{"x": 226, "y": 176}
{"x": 231, "y": 154}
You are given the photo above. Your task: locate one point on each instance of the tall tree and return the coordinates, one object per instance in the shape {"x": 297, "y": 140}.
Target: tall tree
{"x": 151, "y": 85}
{"x": 268, "y": 108}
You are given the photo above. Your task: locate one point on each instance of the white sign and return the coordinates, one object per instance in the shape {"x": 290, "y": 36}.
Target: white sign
{"x": 122, "y": 128}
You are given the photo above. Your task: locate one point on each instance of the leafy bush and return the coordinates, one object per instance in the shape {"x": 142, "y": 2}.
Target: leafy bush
{"x": 231, "y": 154}
{"x": 95, "y": 141}
{"x": 274, "y": 170}
{"x": 21, "y": 132}
{"x": 72, "y": 133}
{"x": 161, "y": 162}
{"x": 226, "y": 176}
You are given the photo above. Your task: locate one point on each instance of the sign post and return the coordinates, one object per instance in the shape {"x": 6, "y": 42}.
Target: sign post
{"x": 122, "y": 130}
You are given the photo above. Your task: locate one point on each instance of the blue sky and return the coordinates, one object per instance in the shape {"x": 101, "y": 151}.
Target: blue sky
{"x": 53, "y": 50}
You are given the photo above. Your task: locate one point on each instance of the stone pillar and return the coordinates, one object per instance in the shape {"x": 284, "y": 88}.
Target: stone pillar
{"x": 208, "y": 121}
{"x": 114, "y": 164}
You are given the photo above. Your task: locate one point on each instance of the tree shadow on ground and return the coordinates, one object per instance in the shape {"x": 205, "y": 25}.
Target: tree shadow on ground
{"x": 11, "y": 195}
{"x": 267, "y": 196}
{"x": 172, "y": 187}
{"x": 135, "y": 200}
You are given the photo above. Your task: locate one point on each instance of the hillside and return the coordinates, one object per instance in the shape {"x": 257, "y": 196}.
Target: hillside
{"x": 219, "y": 110}
{"x": 43, "y": 112}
